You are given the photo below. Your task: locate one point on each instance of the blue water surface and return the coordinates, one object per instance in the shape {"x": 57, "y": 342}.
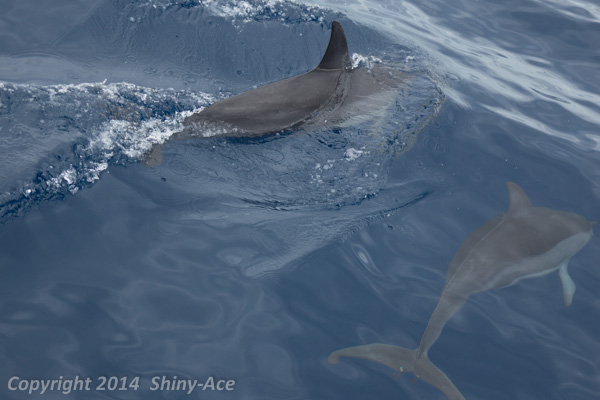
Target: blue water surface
{"x": 253, "y": 260}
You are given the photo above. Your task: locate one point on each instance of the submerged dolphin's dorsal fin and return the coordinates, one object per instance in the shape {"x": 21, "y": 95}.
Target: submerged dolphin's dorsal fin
{"x": 336, "y": 55}
{"x": 518, "y": 198}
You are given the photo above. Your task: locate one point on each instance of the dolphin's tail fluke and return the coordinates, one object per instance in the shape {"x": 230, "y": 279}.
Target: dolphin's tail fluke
{"x": 402, "y": 360}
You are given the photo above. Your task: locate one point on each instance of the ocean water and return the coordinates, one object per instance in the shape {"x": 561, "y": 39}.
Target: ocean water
{"x": 253, "y": 260}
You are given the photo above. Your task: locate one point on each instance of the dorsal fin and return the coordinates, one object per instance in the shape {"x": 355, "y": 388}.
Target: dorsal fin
{"x": 336, "y": 55}
{"x": 518, "y": 198}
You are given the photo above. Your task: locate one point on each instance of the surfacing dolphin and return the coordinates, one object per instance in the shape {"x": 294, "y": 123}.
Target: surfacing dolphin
{"x": 328, "y": 93}
{"x": 332, "y": 94}
{"x": 283, "y": 105}
{"x": 525, "y": 242}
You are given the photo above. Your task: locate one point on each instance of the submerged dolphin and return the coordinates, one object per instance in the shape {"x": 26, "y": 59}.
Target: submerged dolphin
{"x": 525, "y": 242}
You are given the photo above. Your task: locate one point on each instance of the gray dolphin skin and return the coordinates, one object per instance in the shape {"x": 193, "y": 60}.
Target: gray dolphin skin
{"x": 525, "y": 242}
{"x": 330, "y": 93}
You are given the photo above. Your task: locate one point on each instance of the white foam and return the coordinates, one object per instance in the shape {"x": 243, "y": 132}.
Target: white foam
{"x": 352, "y": 154}
{"x": 367, "y": 61}
{"x": 246, "y": 11}
{"x": 68, "y": 177}
{"x": 128, "y": 134}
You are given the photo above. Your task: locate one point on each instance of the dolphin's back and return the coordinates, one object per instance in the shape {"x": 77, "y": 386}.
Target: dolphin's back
{"x": 280, "y": 106}
{"x": 273, "y": 108}
{"x": 501, "y": 250}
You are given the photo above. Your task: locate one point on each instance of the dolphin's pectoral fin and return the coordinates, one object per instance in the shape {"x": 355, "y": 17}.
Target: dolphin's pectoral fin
{"x": 402, "y": 360}
{"x": 153, "y": 157}
{"x": 567, "y": 283}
